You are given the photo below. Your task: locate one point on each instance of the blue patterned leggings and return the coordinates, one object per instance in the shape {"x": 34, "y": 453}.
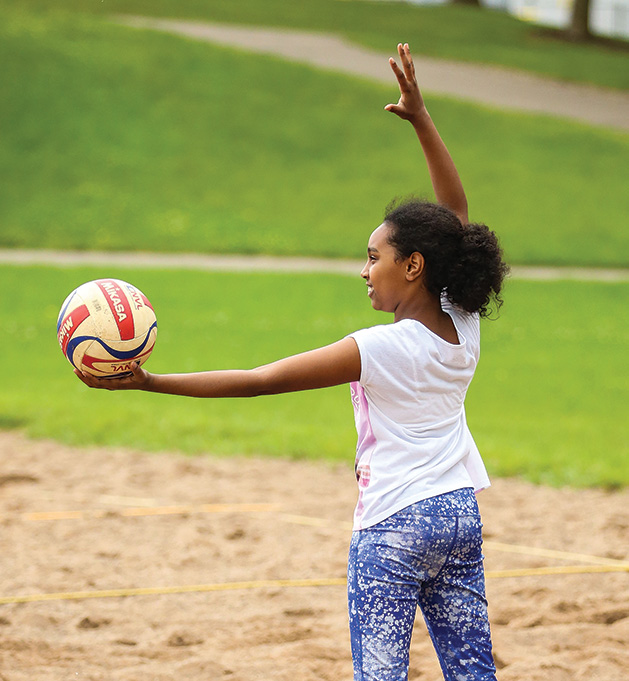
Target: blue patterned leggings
{"x": 427, "y": 555}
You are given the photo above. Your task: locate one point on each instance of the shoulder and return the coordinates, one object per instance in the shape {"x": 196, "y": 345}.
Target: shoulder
{"x": 386, "y": 353}
{"x": 390, "y": 345}
{"x": 384, "y": 333}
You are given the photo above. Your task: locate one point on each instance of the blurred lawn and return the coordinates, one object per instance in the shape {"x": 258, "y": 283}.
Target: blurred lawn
{"x": 451, "y": 32}
{"x": 548, "y": 402}
{"x": 128, "y": 140}
{"x": 124, "y": 140}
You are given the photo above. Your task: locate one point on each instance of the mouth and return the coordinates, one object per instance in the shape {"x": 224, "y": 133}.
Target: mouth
{"x": 369, "y": 290}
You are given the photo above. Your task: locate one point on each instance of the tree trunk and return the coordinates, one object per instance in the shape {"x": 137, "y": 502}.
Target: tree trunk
{"x": 580, "y": 23}
{"x": 469, "y": 3}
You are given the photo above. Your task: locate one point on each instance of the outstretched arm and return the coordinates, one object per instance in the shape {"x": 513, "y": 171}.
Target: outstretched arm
{"x": 410, "y": 107}
{"x": 327, "y": 366}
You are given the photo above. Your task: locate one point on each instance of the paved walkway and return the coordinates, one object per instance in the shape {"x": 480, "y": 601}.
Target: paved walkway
{"x": 264, "y": 263}
{"x": 497, "y": 87}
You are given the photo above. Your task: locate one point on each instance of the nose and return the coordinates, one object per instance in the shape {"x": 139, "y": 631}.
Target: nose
{"x": 365, "y": 271}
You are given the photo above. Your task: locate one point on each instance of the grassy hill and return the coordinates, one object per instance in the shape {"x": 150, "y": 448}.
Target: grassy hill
{"x": 128, "y": 140}
{"x": 451, "y": 32}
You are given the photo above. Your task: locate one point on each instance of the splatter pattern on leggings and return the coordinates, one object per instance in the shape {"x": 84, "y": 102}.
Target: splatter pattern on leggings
{"x": 429, "y": 555}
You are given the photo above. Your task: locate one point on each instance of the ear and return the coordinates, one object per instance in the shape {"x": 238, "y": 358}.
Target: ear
{"x": 415, "y": 266}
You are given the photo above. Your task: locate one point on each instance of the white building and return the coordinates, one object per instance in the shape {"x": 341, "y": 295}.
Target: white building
{"x": 607, "y": 17}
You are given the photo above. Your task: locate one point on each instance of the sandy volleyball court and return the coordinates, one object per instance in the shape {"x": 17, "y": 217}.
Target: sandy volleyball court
{"x": 245, "y": 571}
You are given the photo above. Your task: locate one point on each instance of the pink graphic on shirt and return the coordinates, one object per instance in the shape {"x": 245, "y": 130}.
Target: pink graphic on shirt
{"x": 365, "y": 443}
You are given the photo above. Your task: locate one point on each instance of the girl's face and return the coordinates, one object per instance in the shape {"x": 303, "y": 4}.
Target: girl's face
{"x": 384, "y": 274}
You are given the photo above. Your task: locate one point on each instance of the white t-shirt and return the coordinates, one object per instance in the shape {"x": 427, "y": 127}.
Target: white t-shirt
{"x": 413, "y": 439}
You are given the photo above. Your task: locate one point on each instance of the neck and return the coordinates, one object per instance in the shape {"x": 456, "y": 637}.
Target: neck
{"x": 421, "y": 306}
{"x": 427, "y": 310}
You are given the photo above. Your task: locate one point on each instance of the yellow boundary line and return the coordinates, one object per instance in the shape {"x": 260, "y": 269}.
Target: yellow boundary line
{"x": 279, "y": 583}
{"x": 149, "y": 511}
{"x": 550, "y": 553}
{"x": 487, "y": 544}
{"x": 595, "y": 564}
{"x": 311, "y": 521}
{"x": 166, "y": 590}
{"x": 557, "y": 570}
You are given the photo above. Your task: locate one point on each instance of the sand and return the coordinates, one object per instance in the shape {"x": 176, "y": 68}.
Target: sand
{"x": 248, "y": 532}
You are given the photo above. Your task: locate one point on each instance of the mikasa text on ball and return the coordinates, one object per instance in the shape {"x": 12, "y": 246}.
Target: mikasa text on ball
{"x": 105, "y": 326}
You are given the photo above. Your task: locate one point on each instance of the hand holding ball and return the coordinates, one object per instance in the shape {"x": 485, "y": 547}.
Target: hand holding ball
{"x": 105, "y": 326}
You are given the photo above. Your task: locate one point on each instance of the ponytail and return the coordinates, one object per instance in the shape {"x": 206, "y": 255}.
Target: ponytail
{"x": 463, "y": 261}
{"x": 475, "y": 280}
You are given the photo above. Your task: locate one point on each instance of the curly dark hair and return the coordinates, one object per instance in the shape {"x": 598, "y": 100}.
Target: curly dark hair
{"x": 463, "y": 261}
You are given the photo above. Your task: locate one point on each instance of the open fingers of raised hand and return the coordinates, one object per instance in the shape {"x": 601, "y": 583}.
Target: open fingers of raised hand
{"x": 405, "y": 75}
{"x": 399, "y": 74}
{"x": 407, "y": 62}
{"x": 411, "y": 103}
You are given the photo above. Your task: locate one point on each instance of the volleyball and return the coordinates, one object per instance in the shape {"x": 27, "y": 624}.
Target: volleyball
{"x": 106, "y": 325}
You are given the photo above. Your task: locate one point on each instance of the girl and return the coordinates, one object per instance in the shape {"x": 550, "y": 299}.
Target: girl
{"x": 417, "y": 539}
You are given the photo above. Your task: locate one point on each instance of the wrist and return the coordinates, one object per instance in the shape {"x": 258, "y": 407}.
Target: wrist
{"x": 421, "y": 120}
{"x": 148, "y": 382}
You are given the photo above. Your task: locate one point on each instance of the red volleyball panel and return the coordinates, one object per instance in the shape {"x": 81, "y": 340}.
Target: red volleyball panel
{"x": 70, "y": 324}
{"x": 119, "y": 306}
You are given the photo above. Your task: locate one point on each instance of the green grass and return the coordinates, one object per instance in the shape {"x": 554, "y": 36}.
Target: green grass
{"x": 550, "y": 397}
{"x": 460, "y": 33}
{"x": 127, "y": 140}
{"x": 547, "y": 403}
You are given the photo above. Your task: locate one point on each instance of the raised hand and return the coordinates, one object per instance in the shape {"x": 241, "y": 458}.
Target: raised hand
{"x": 410, "y": 106}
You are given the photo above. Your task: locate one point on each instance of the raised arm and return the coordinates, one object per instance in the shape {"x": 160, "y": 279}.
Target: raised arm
{"x": 410, "y": 107}
{"x": 321, "y": 368}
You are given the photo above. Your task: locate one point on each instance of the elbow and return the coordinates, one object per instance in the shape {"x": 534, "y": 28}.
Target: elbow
{"x": 272, "y": 379}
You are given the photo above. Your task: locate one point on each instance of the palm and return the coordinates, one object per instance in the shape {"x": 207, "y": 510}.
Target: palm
{"x": 411, "y": 102}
